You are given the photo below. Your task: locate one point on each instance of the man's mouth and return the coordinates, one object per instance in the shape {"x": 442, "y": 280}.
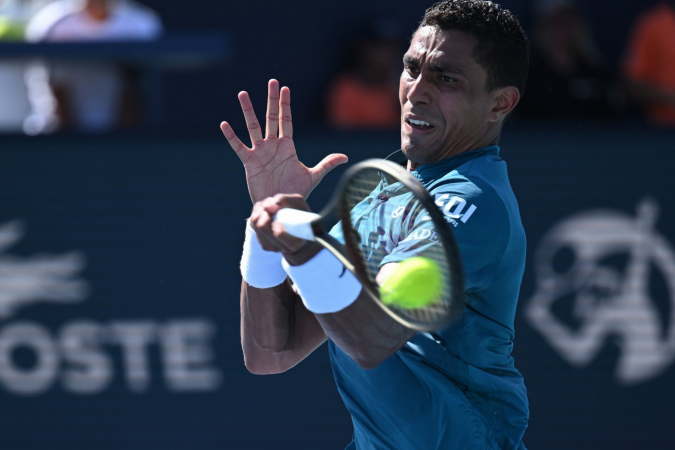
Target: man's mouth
{"x": 419, "y": 124}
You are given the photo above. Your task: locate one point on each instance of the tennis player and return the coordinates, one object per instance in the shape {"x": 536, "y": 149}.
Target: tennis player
{"x": 457, "y": 388}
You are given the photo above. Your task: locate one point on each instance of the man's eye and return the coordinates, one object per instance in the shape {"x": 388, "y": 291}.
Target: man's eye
{"x": 411, "y": 69}
{"x": 447, "y": 79}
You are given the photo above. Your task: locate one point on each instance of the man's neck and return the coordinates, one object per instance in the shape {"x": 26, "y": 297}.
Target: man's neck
{"x": 489, "y": 137}
{"x": 413, "y": 165}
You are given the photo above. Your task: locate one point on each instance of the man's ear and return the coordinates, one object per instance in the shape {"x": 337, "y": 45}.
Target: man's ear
{"x": 505, "y": 99}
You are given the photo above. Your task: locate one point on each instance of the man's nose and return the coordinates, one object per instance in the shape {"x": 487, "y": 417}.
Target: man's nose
{"x": 418, "y": 91}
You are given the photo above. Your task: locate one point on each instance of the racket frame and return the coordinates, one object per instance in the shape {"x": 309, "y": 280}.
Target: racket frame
{"x": 355, "y": 263}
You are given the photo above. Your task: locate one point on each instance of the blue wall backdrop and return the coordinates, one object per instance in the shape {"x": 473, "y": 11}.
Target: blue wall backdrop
{"x": 119, "y": 286}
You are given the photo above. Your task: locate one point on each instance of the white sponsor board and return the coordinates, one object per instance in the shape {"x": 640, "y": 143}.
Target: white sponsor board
{"x": 77, "y": 357}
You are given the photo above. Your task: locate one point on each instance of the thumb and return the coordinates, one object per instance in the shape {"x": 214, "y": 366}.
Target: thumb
{"x": 329, "y": 163}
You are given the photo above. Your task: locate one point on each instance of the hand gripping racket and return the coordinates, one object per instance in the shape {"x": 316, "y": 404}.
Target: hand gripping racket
{"x": 380, "y": 200}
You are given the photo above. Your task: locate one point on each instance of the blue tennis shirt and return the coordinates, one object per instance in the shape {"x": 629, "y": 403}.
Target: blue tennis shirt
{"x": 456, "y": 388}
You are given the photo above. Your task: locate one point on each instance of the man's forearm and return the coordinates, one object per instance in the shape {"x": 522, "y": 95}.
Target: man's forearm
{"x": 268, "y": 315}
{"x": 365, "y": 332}
{"x": 277, "y": 332}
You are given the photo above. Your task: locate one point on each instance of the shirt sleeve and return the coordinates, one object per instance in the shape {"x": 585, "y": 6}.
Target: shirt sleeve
{"x": 45, "y": 19}
{"x": 478, "y": 219}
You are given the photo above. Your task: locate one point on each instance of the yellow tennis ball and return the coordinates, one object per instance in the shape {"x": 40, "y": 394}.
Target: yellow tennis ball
{"x": 416, "y": 283}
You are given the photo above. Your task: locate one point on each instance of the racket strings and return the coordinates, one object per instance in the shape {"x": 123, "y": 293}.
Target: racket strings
{"x": 365, "y": 202}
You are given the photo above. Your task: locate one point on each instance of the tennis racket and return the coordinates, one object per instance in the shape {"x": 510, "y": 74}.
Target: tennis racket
{"x": 381, "y": 200}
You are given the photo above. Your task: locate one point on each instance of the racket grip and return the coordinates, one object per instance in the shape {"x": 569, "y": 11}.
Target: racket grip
{"x": 297, "y": 223}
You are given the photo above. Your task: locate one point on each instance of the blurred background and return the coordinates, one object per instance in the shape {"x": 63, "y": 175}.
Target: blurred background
{"x": 122, "y": 214}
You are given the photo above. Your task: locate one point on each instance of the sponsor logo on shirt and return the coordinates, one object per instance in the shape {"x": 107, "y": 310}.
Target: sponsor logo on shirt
{"x": 422, "y": 233}
{"x": 455, "y": 208}
{"x": 601, "y": 274}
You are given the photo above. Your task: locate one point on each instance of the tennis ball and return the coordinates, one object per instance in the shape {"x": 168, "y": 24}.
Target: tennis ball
{"x": 416, "y": 283}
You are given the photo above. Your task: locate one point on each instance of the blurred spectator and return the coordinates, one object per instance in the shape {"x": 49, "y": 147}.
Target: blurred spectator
{"x": 14, "y": 105}
{"x": 364, "y": 94}
{"x": 649, "y": 67}
{"x": 568, "y": 76}
{"x": 90, "y": 97}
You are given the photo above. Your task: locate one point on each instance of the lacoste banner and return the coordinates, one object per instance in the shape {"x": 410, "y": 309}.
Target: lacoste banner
{"x": 119, "y": 295}
{"x": 73, "y": 356}
{"x": 119, "y": 305}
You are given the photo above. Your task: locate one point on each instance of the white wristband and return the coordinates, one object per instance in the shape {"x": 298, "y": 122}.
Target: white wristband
{"x": 324, "y": 284}
{"x": 260, "y": 268}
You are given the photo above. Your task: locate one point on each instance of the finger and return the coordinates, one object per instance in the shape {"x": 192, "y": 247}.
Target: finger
{"x": 239, "y": 148}
{"x": 269, "y": 243}
{"x": 251, "y": 120}
{"x": 289, "y": 244}
{"x": 285, "y": 118}
{"x": 280, "y": 201}
{"x": 272, "y": 124}
{"x": 270, "y": 206}
{"x": 261, "y": 216}
{"x": 257, "y": 219}
{"x": 267, "y": 240}
{"x": 261, "y": 223}
{"x": 327, "y": 164}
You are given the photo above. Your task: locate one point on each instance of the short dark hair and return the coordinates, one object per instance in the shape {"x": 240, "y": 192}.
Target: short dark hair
{"x": 503, "y": 48}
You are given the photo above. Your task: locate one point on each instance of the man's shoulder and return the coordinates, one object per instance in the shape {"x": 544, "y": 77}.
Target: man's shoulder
{"x": 461, "y": 198}
{"x": 471, "y": 179}
{"x": 136, "y": 11}
{"x": 653, "y": 25}
{"x": 660, "y": 15}
{"x": 475, "y": 190}
{"x": 137, "y": 21}
{"x": 455, "y": 182}
{"x": 48, "y": 18}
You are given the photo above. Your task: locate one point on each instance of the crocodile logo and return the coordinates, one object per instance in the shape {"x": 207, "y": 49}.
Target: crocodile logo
{"x": 571, "y": 264}
{"x": 38, "y": 278}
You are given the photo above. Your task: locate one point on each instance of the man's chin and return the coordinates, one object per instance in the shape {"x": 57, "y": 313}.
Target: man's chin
{"x": 416, "y": 153}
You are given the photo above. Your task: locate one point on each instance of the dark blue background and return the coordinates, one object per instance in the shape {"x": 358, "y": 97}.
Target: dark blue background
{"x": 161, "y": 223}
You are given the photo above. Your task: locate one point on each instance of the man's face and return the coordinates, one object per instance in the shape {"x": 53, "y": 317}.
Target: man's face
{"x": 444, "y": 86}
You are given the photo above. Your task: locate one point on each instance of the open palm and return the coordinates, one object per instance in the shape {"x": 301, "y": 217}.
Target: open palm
{"x": 272, "y": 165}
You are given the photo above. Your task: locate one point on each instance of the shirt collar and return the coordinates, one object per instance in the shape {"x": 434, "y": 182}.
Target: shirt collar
{"x": 427, "y": 172}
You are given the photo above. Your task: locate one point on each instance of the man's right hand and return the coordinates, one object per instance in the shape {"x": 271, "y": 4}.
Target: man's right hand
{"x": 272, "y": 165}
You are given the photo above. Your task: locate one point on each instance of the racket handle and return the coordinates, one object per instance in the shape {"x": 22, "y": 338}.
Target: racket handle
{"x": 297, "y": 223}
